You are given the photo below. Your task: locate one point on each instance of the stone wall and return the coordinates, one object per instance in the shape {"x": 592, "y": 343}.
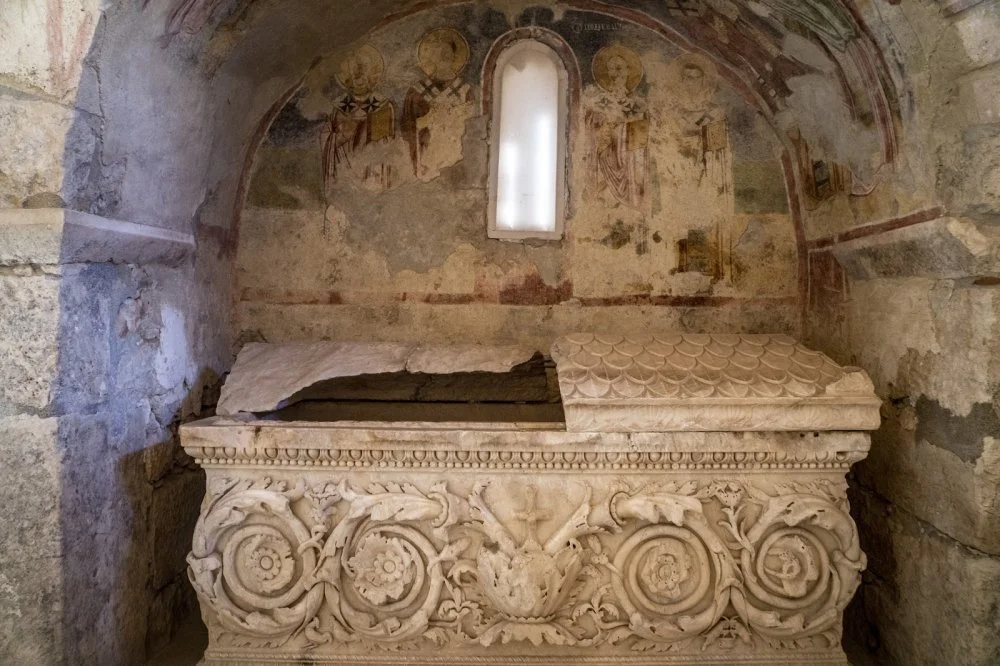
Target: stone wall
{"x": 910, "y": 293}
{"x": 107, "y": 342}
{"x": 97, "y": 374}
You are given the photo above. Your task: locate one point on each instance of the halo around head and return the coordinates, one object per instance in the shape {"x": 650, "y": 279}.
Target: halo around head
{"x": 694, "y": 77}
{"x": 361, "y": 69}
{"x": 442, "y": 53}
{"x": 602, "y": 74}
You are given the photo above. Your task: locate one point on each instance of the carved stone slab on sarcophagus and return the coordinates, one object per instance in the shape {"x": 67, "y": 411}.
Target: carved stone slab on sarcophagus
{"x": 490, "y": 542}
{"x": 677, "y": 382}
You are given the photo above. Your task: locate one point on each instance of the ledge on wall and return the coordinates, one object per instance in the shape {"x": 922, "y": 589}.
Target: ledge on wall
{"x": 63, "y": 236}
{"x": 942, "y": 248}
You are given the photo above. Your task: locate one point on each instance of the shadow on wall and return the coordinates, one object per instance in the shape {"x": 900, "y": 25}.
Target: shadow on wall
{"x": 129, "y": 494}
{"x": 132, "y": 324}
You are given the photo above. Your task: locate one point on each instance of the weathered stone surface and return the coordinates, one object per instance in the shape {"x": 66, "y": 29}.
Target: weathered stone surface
{"x": 915, "y": 473}
{"x": 949, "y": 248}
{"x": 175, "y": 502}
{"x": 980, "y": 94}
{"x": 84, "y": 378}
{"x": 28, "y": 339}
{"x": 49, "y": 57}
{"x": 926, "y": 598}
{"x": 921, "y": 336}
{"x": 31, "y": 580}
{"x": 168, "y": 605}
{"x": 48, "y": 142}
{"x": 31, "y": 605}
{"x": 977, "y": 30}
{"x": 31, "y": 458}
{"x": 668, "y": 382}
{"x": 265, "y": 376}
{"x": 485, "y": 323}
{"x": 931, "y": 349}
{"x": 618, "y": 543}
{"x": 972, "y": 170}
{"x": 467, "y": 358}
{"x": 63, "y": 236}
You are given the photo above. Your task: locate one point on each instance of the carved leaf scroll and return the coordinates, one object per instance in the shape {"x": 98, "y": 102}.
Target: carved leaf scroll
{"x": 714, "y": 565}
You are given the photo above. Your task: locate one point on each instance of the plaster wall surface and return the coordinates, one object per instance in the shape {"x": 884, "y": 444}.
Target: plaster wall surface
{"x": 366, "y": 210}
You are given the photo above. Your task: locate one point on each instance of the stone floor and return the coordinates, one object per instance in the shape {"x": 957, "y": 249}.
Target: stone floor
{"x": 191, "y": 639}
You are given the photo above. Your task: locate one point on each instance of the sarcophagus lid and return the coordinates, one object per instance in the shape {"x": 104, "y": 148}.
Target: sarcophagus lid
{"x": 707, "y": 382}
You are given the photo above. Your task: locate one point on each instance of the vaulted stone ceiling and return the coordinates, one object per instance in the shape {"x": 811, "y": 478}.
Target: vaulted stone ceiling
{"x": 794, "y": 59}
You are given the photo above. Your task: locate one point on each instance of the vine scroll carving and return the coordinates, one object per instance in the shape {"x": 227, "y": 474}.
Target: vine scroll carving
{"x": 707, "y": 566}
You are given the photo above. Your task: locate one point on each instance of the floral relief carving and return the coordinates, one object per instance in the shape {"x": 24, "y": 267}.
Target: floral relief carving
{"x": 252, "y": 561}
{"x": 712, "y": 565}
{"x": 383, "y": 568}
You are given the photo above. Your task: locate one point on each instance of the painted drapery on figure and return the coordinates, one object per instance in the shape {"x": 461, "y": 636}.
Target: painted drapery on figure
{"x": 618, "y": 127}
{"x": 362, "y": 123}
{"x": 436, "y": 108}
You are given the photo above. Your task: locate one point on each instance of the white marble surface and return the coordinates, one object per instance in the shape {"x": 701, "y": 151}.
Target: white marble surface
{"x": 678, "y": 382}
{"x": 265, "y": 375}
{"x": 505, "y": 543}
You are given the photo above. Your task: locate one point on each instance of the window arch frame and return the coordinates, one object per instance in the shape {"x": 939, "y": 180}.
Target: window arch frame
{"x": 504, "y": 48}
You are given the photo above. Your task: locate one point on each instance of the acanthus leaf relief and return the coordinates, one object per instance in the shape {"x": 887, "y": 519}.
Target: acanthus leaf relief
{"x": 709, "y": 565}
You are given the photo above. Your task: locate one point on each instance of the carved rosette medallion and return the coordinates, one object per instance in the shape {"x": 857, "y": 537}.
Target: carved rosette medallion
{"x": 384, "y": 570}
{"x": 801, "y": 562}
{"x": 719, "y": 565}
{"x": 252, "y": 560}
{"x": 672, "y": 577}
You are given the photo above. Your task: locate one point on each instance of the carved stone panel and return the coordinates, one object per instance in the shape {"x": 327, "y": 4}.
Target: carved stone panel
{"x": 468, "y": 564}
{"x": 721, "y": 382}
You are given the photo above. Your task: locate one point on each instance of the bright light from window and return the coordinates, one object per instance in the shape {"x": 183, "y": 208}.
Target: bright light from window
{"x": 527, "y": 173}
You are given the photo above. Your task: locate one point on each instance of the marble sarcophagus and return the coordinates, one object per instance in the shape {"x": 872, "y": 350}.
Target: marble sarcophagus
{"x": 643, "y": 500}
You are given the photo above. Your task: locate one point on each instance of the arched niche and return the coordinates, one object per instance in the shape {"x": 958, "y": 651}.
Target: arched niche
{"x": 398, "y": 232}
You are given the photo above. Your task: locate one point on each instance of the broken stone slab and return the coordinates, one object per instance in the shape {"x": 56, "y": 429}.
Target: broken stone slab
{"x": 266, "y": 376}
{"x": 49, "y": 236}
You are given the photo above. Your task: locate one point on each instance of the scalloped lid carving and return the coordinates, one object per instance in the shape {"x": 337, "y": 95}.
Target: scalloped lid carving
{"x": 667, "y": 367}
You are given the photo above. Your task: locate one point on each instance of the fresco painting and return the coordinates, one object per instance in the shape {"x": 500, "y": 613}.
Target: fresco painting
{"x": 618, "y": 128}
{"x": 402, "y": 127}
{"x": 820, "y": 178}
{"x": 437, "y": 107}
{"x": 362, "y": 122}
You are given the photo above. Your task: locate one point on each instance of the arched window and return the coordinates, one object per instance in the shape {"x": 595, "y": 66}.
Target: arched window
{"x": 528, "y": 143}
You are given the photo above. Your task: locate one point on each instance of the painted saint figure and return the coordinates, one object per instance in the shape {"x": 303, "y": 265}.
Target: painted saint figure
{"x": 435, "y": 110}
{"x": 361, "y": 123}
{"x": 618, "y": 126}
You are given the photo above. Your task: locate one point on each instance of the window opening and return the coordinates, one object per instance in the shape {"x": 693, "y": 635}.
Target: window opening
{"x": 527, "y": 143}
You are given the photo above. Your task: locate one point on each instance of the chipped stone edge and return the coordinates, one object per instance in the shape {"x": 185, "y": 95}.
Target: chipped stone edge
{"x": 721, "y": 414}
{"x": 399, "y": 357}
{"x": 498, "y": 447}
